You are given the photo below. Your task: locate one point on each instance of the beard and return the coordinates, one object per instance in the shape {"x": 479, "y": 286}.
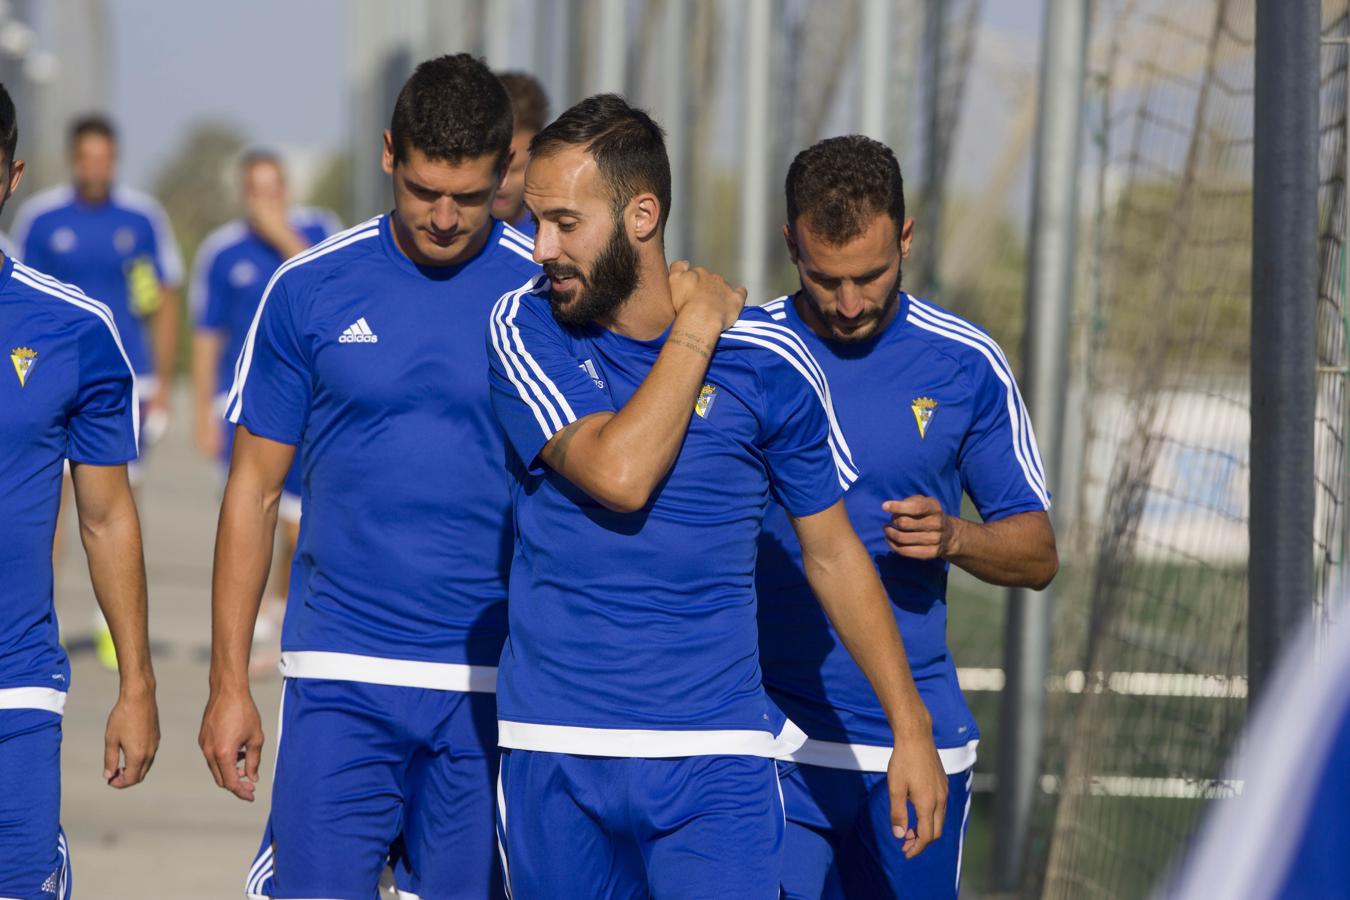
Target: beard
{"x": 600, "y": 292}
{"x": 864, "y": 327}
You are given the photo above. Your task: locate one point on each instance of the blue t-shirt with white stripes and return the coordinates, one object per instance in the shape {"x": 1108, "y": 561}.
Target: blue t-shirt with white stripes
{"x": 117, "y": 252}
{"x": 929, "y": 408}
{"x": 634, "y": 634}
{"x": 66, "y": 392}
{"x": 375, "y": 368}
{"x": 232, "y": 268}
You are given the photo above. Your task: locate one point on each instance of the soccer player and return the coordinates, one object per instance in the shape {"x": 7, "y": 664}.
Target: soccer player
{"x": 930, "y": 408}
{"x": 529, "y": 107}
{"x": 639, "y": 741}
{"x": 69, "y": 393}
{"x": 366, "y": 359}
{"x": 115, "y": 244}
{"x": 229, "y": 275}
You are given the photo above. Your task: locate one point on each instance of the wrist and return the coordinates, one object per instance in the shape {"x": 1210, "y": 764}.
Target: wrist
{"x": 137, "y": 685}
{"x": 957, "y": 531}
{"x": 702, "y": 322}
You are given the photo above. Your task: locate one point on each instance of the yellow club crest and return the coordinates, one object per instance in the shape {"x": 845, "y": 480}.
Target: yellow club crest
{"x": 923, "y": 407}
{"x": 703, "y": 405}
{"x": 23, "y": 358}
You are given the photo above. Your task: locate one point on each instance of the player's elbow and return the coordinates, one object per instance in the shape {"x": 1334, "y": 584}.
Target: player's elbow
{"x": 623, "y": 488}
{"x": 1044, "y": 570}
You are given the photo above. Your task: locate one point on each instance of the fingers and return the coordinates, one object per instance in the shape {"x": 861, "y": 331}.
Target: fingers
{"x": 899, "y": 790}
{"x": 679, "y": 266}
{"x": 913, "y": 544}
{"x": 111, "y": 757}
{"x": 252, "y": 757}
{"x": 917, "y": 506}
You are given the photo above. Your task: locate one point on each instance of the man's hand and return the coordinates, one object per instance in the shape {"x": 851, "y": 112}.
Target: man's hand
{"x": 696, "y": 292}
{"x": 915, "y": 775}
{"x": 919, "y": 529}
{"x": 231, "y": 740}
{"x": 131, "y": 739}
{"x": 208, "y": 437}
{"x": 266, "y": 212}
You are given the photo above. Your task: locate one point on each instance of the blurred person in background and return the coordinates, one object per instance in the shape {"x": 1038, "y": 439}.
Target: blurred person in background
{"x": 115, "y": 244}
{"x": 229, "y": 275}
{"x": 529, "y": 108}
{"x": 366, "y": 360}
{"x": 930, "y": 409}
{"x": 69, "y": 394}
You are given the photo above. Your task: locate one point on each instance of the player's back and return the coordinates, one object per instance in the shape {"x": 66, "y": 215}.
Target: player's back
{"x": 375, "y": 367}
{"x": 645, "y": 620}
{"x": 68, "y": 394}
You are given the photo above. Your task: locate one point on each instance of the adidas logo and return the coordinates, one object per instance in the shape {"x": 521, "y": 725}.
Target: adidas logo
{"x": 359, "y": 333}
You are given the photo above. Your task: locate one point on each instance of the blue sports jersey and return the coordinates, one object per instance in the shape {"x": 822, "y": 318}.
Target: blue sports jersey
{"x": 107, "y": 251}
{"x": 230, "y": 273}
{"x": 526, "y": 227}
{"x": 634, "y": 634}
{"x": 930, "y": 408}
{"x": 375, "y": 368}
{"x": 66, "y": 392}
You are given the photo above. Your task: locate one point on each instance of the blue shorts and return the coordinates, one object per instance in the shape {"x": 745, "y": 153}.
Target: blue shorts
{"x": 34, "y": 861}
{"x": 601, "y": 828}
{"x": 840, "y": 845}
{"x": 365, "y": 772}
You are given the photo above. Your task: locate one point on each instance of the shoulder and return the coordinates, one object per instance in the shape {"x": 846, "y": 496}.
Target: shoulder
{"x": 219, "y": 242}
{"x": 43, "y": 205}
{"x": 526, "y": 305}
{"x": 139, "y": 204}
{"x": 771, "y": 347}
{"x": 62, "y": 301}
{"x": 514, "y": 250}
{"x": 316, "y": 219}
{"x": 962, "y": 342}
{"x": 329, "y": 257}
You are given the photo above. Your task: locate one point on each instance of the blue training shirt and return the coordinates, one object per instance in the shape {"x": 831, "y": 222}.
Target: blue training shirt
{"x": 67, "y": 391}
{"x": 634, "y": 634}
{"x": 232, "y": 268}
{"x": 119, "y": 251}
{"x": 375, "y": 368}
{"x": 930, "y": 408}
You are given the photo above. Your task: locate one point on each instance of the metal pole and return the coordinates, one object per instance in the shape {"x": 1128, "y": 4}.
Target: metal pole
{"x": 613, "y": 40}
{"x": 1280, "y": 590}
{"x": 675, "y": 118}
{"x": 933, "y": 31}
{"x": 1050, "y": 271}
{"x": 756, "y": 157}
{"x": 875, "y": 66}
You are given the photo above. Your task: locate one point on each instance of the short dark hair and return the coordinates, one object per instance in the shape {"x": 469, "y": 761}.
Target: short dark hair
{"x": 9, "y": 125}
{"x": 529, "y": 103}
{"x": 452, "y": 109}
{"x": 628, "y": 146}
{"x": 95, "y": 124}
{"x": 840, "y": 183}
{"x": 254, "y": 156}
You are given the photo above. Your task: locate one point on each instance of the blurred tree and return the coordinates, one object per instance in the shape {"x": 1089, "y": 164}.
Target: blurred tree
{"x": 197, "y": 184}
{"x": 333, "y": 190}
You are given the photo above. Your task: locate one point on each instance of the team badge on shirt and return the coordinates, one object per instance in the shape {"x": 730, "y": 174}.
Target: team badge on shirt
{"x": 24, "y": 359}
{"x": 706, "y": 396}
{"x": 923, "y": 407}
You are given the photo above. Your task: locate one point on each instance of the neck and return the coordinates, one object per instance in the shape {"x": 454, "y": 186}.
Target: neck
{"x": 93, "y": 198}
{"x": 648, "y": 312}
{"x": 404, "y": 242}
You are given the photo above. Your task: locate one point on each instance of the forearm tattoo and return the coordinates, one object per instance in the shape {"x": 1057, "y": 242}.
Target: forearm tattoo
{"x": 691, "y": 341}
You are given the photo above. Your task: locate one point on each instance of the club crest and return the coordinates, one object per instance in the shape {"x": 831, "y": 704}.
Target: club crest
{"x": 924, "y": 408}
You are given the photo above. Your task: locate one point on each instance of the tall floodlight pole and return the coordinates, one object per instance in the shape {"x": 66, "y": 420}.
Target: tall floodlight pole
{"x": 612, "y": 75}
{"x": 674, "y": 102}
{"x": 1049, "y": 304}
{"x": 1280, "y": 590}
{"x": 875, "y": 68}
{"x": 756, "y": 154}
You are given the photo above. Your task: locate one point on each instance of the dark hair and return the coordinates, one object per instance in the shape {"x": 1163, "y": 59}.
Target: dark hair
{"x": 95, "y": 124}
{"x": 529, "y": 103}
{"x": 840, "y": 183}
{"x": 628, "y": 146}
{"x": 9, "y": 125}
{"x": 452, "y": 109}
{"x": 254, "y": 156}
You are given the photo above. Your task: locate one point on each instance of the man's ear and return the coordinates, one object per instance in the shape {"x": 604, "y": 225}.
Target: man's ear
{"x": 791, "y": 240}
{"x": 644, "y": 216}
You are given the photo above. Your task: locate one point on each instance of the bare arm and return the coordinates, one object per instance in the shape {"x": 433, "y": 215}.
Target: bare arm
{"x": 619, "y": 458}
{"x": 167, "y": 320}
{"x": 846, "y": 584}
{"x": 206, "y": 349}
{"x": 231, "y": 728}
{"x": 1018, "y": 551}
{"x": 111, "y": 533}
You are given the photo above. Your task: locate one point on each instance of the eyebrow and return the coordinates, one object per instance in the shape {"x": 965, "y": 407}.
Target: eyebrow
{"x": 866, "y": 276}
